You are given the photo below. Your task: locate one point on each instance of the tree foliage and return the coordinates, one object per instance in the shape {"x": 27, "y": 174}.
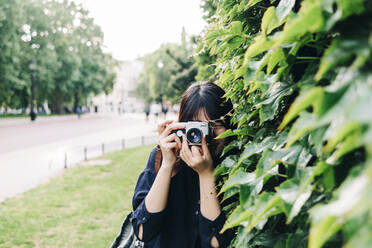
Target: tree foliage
{"x": 168, "y": 71}
{"x": 67, "y": 46}
{"x": 11, "y": 79}
{"x": 299, "y": 75}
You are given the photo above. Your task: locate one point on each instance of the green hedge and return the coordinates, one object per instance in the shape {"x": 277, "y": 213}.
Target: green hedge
{"x": 300, "y": 76}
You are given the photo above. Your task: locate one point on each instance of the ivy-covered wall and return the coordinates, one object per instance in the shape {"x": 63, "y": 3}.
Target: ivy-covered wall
{"x": 300, "y": 76}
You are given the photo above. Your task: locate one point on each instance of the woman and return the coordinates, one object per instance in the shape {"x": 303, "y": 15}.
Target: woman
{"x": 177, "y": 206}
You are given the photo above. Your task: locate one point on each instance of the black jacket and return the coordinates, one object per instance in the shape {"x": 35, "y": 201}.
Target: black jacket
{"x": 181, "y": 223}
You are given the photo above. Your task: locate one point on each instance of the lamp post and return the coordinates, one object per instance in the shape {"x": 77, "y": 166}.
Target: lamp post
{"x": 33, "y": 100}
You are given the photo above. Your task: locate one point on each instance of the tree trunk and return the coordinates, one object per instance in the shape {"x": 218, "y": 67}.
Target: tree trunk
{"x": 57, "y": 102}
{"x": 76, "y": 101}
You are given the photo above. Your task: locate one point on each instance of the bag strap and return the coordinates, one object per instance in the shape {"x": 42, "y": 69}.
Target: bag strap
{"x": 157, "y": 160}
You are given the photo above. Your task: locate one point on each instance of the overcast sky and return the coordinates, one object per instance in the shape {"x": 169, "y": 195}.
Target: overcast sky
{"x": 135, "y": 27}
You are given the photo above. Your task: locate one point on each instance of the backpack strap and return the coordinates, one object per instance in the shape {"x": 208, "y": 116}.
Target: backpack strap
{"x": 158, "y": 158}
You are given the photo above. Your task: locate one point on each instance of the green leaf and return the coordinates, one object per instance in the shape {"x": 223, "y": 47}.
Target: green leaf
{"x": 324, "y": 230}
{"x": 351, "y": 7}
{"x": 225, "y": 134}
{"x": 229, "y": 132}
{"x": 296, "y": 191}
{"x": 360, "y": 110}
{"x": 239, "y": 177}
{"x": 270, "y": 102}
{"x": 226, "y": 164}
{"x": 328, "y": 179}
{"x": 253, "y": 148}
{"x": 252, "y": 3}
{"x": 267, "y": 163}
{"x": 344, "y": 9}
{"x": 213, "y": 35}
{"x": 251, "y": 71}
{"x": 341, "y": 51}
{"x": 296, "y": 155}
{"x": 240, "y": 73}
{"x": 236, "y": 27}
{"x": 275, "y": 57}
{"x": 260, "y": 44}
{"x": 245, "y": 194}
{"x": 309, "y": 19}
{"x": 361, "y": 236}
{"x": 230, "y": 192}
{"x": 351, "y": 142}
{"x": 340, "y": 134}
{"x": 268, "y": 204}
{"x": 283, "y": 9}
{"x": 332, "y": 104}
{"x": 303, "y": 125}
{"x": 327, "y": 219}
{"x": 237, "y": 217}
{"x": 310, "y": 98}
{"x": 320, "y": 168}
{"x": 235, "y": 144}
{"x": 316, "y": 138}
{"x": 263, "y": 63}
{"x": 269, "y": 21}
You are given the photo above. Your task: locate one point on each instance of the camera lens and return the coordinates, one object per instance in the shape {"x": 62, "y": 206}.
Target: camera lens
{"x": 194, "y": 135}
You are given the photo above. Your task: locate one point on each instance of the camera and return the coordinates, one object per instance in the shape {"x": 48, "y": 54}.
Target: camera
{"x": 194, "y": 132}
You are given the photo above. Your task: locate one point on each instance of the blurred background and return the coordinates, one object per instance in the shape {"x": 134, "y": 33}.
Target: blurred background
{"x": 79, "y": 78}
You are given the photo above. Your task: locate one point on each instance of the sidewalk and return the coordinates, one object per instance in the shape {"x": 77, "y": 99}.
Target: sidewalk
{"x": 22, "y": 120}
{"x": 23, "y": 169}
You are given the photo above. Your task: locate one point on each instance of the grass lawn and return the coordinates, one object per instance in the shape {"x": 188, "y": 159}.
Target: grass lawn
{"x": 82, "y": 208}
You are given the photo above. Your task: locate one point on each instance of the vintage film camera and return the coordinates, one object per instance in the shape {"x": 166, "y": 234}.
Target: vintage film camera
{"x": 194, "y": 132}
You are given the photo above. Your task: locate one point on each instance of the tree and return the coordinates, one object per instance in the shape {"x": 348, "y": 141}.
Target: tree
{"x": 299, "y": 75}
{"x": 209, "y": 7}
{"x": 67, "y": 45}
{"x": 97, "y": 70}
{"x": 167, "y": 72}
{"x": 183, "y": 76}
{"x": 11, "y": 79}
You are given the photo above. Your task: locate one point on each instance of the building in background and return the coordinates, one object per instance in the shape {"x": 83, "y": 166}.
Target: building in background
{"x": 122, "y": 99}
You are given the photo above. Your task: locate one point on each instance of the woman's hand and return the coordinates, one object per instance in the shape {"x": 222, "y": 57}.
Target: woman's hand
{"x": 198, "y": 158}
{"x": 169, "y": 143}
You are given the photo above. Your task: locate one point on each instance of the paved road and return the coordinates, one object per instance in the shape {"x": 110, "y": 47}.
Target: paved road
{"x": 42, "y": 132}
{"x": 31, "y": 153}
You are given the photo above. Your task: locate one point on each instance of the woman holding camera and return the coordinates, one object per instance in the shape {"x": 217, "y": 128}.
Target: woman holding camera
{"x": 176, "y": 205}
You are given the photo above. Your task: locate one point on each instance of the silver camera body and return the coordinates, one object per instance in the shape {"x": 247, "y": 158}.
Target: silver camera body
{"x": 194, "y": 132}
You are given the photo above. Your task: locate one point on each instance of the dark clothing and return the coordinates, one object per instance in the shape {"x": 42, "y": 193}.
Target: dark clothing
{"x": 180, "y": 224}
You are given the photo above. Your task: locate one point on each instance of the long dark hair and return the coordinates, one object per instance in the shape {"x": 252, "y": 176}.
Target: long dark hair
{"x": 208, "y": 97}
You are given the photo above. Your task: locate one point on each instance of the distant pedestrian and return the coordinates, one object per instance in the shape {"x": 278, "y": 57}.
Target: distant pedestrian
{"x": 164, "y": 109}
{"x": 78, "y": 111}
{"x": 147, "y": 111}
{"x": 155, "y": 109}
